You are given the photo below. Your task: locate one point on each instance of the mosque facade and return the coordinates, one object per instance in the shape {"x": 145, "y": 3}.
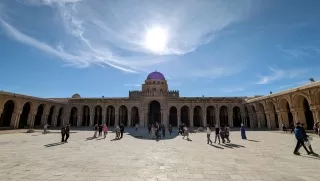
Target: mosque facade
{"x": 156, "y": 103}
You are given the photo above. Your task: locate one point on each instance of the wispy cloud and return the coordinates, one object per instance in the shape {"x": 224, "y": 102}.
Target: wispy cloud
{"x": 278, "y": 74}
{"x": 303, "y": 51}
{"x": 113, "y": 32}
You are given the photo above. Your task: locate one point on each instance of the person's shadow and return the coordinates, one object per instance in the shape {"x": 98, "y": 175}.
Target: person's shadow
{"x": 54, "y": 144}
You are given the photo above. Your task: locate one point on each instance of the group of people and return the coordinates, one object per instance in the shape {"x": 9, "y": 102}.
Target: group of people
{"x": 100, "y": 128}
{"x": 223, "y": 132}
{"x": 158, "y": 130}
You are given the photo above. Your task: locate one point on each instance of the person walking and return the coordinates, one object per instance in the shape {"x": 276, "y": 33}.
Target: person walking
{"x": 121, "y": 130}
{"x": 100, "y": 130}
{"x": 63, "y": 133}
{"x": 95, "y": 130}
{"x": 217, "y": 134}
{"x": 208, "y": 135}
{"x": 170, "y": 129}
{"x": 185, "y": 132}
{"x": 67, "y": 133}
{"x": 163, "y": 129}
{"x": 105, "y": 131}
{"x": 227, "y": 133}
{"x": 223, "y": 133}
{"x": 298, "y": 133}
{"x": 307, "y": 140}
{"x": 243, "y": 132}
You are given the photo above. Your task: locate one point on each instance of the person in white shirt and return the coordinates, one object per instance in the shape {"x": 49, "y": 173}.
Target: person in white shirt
{"x": 208, "y": 135}
{"x": 45, "y": 128}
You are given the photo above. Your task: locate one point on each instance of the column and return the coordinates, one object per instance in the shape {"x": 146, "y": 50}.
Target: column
{"x": 129, "y": 119}
{"x": 191, "y": 118}
{"x": 117, "y": 119}
{"x": 204, "y": 118}
{"x": 141, "y": 117}
{"x": 269, "y": 117}
{"x": 145, "y": 122}
{"x": 315, "y": 114}
{"x": 295, "y": 115}
{"x": 54, "y": 120}
{"x": 103, "y": 115}
{"x": 15, "y": 119}
{"x": 166, "y": 117}
{"x": 230, "y": 119}
{"x": 251, "y": 119}
{"x": 1, "y": 113}
{"x": 179, "y": 118}
{"x": 280, "y": 119}
{"x": 243, "y": 118}
{"x": 217, "y": 116}
{"x": 79, "y": 119}
{"x": 31, "y": 117}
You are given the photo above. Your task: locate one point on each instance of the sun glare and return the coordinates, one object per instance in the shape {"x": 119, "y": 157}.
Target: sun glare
{"x": 156, "y": 39}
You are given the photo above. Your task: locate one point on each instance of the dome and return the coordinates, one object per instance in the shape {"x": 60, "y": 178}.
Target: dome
{"x": 76, "y": 96}
{"x": 156, "y": 76}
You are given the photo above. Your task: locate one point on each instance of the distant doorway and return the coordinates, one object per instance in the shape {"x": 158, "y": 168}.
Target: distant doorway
{"x": 154, "y": 112}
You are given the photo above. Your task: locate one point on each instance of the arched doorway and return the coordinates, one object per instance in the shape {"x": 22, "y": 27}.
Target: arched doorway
{"x": 23, "y": 122}
{"x": 274, "y": 121}
{"x": 173, "y": 116}
{"x": 134, "y": 116}
{"x": 197, "y": 116}
{"x": 50, "y": 116}
{"x": 97, "y": 115}
{"x": 73, "y": 116}
{"x": 154, "y": 112}
{"x": 247, "y": 117}
{"x": 185, "y": 116}
{"x": 123, "y": 115}
{"x": 304, "y": 112}
{"x": 85, "y": 116}
{"x": 6, "y": 115}
{"x": 211, "y": 116}
{"x": 37, "y": 121}
{"x": 59, "y": 119}
{"x": 236, "y": 117}
{"x": 111, "y": 116}
{"x": 223, "y": 115}
{"x": 263, "y": 116}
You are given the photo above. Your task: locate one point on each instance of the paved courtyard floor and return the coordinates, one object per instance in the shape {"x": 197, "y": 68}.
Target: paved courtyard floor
{"x": 35, "y": 156}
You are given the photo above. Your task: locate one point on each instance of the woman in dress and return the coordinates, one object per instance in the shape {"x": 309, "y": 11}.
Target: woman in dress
{"x": 105, "y": 130}
{"x": 243, "y": 132}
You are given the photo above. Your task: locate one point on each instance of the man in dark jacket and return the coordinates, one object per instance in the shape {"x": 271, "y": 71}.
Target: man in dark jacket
{"x": 299, "y": 134}
{"x": 121, "y": 130}
{"x": 67, "y": 130}
{"x": 63, "y": 133}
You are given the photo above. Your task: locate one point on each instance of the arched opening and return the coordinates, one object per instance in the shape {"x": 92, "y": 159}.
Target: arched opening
{"x": 223, "y": 115}
{"x": 236, "y": 116}
{"x": 154, "y": 112}
{"x": 274, "y": 121}
{"x": 59, "y": 119}
{"x": 173, "y": 116}
{"x": 111, "y": 116}
{"x": 134, "y": 116}
{"x": 73, "y": 116}
{"x": 123, "y": 115}
{"x": 39, "y": 114}
{"x": 85, "y": 116}
{"x": 50, "y": 116}
{"x": 263, "y": 116}
{"x": 197, "y": 116}
{"x": 290, "y": 116}
{"x": 6, "y": 115}
{"x": 97, "y": 115}
{"x": 23, "y": 122}
{"x": 247, "y": 117}
{"x": 308, "y": 114}
{"x": 211, "y": 116}
{"x": 185, "y": 116}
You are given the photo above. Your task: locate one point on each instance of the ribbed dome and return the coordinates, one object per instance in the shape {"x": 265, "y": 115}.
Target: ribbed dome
{"x": 156, "y": 76}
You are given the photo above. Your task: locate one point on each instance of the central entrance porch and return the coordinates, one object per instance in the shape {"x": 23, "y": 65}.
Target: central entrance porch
{"x": 154, "y": 112}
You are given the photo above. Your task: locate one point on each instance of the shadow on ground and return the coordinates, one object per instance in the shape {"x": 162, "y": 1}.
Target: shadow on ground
{"x": 143, "y": 134}
{"x": 54, "y": 144}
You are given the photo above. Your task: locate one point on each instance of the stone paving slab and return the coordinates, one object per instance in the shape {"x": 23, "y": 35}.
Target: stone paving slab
{"x": 268, "y": 157}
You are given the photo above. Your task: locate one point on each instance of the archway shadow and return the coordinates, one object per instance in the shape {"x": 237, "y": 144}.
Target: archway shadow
{"x": 143, "y": 134}
{"x": 54, "y": 144}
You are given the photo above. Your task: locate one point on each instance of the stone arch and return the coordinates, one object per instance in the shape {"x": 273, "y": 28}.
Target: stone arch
{"x": 154, "y": 112}
{"x": 211, "y": 115}
{"x": 23, "y": 121}
{"x": 302, "y": 108}
{"x": 236, "y": 113}
{"x": 185, "y": 112}
{"x": 73, "y": 119}
{"x": 111, "y": 115}
{"x": 262, "y": 115}
{"x": 223, "y": 115}
{"x": 51, "y": 115}
{"x": 7, "y": 114}
{"x": 39, "y": 116}
{"x": 60, "y": 117}
{"x": 274, "y": 120}
{"x": 173, "y": 116}
{"x": 197, "y": 116}
{"x": 123, "y": 115}
{"x": 97, "y": 119}
{"x": 85, "y": 115}
{"x": 135, "y": 118}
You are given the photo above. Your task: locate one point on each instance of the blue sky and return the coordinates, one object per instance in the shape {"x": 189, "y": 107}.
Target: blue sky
{"x": 55, "y": 48}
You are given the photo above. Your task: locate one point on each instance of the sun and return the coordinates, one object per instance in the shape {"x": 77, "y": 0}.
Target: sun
{"x": 156, "y": 39}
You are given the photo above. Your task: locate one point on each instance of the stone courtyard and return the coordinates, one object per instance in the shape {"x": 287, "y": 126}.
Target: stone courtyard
{"x": 266, "y": 155}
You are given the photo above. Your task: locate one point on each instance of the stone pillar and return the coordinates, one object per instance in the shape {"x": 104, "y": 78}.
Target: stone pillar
{"x": 179, "y": 119}
{"x": 129, "y": 119}
{"x": 31, "y": 117}
{"x": 295, "y": 115}
{"x": 230, "y": 119}
{"x": 217, "y": 116}
{"x": 15, "y": 119}
{"x": 141, "y": 117}
{"x": 251, "y": 119}
{"x": 117, "y": 119}
{"x": 191, "y": 118}
{"x": 104, "y": 115}
{"x": 79, "y": 119}
{"x": 145, "y": 122}
{"x": 1, "y": 113}
{"x": 91, "y": 119}
{"x": 165, "y": 117}
{"x": 315, "y": 114}
{"x": 204, "y": 118}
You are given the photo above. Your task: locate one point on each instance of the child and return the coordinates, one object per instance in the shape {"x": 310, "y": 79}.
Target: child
{"x": 105, "y": 130}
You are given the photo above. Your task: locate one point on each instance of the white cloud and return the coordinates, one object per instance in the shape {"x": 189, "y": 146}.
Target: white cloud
{"x": 278, "y": 74}
{"x": 112, "y": 32}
